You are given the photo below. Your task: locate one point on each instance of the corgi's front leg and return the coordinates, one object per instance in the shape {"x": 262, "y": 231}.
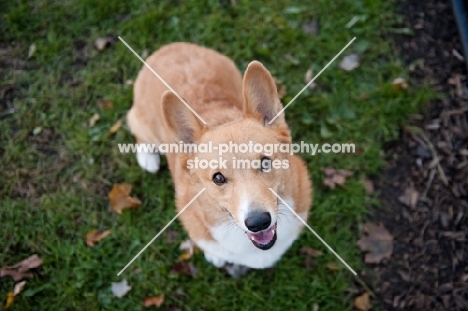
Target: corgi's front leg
{"x": 148, "y": 160}
{"x": 215, "y": 261}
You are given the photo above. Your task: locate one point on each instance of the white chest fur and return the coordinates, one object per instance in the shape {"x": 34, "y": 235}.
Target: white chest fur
{"x": 233, "y": 246}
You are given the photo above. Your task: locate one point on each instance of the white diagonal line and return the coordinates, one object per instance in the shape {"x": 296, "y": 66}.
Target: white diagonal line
{"x": 162, "y": 230}
{"x": 312, "y": 230}
{"x": 162, "y": 80}
{"x": 312, "y": 81}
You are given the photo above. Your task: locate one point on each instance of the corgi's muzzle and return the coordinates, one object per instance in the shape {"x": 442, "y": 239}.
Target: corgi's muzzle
{"x": 261, "y": 233}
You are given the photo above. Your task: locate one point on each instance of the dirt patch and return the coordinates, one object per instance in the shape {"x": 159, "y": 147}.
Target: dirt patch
{"x": 424, "y": 192}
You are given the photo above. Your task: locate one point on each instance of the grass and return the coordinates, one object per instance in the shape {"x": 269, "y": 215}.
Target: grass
{"x": 56, "y": 171}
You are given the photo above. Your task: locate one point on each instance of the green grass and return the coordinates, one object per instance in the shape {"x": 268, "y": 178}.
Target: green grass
{"x": 54, "y": 184}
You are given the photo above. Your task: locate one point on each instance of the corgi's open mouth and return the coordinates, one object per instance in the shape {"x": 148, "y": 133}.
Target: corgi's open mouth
{"x": 263, "y": 239}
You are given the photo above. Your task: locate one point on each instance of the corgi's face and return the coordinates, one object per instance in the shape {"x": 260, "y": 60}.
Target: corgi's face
{"x": 242, "y": 164}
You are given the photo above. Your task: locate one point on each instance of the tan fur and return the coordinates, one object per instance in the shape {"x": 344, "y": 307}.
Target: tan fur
{"x": 236, "y": 109}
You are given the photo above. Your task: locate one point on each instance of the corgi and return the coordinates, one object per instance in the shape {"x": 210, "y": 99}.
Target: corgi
{"x": 237, "y": 221}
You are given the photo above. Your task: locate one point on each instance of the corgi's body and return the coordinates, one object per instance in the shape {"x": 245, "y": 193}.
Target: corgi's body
{"x": 237, "y": 219}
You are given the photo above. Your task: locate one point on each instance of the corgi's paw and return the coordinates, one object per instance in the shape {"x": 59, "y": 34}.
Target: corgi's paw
{"x": 215, "y": 261}
{"x": 148, "y": 161}
{"x": 236, "y": 271}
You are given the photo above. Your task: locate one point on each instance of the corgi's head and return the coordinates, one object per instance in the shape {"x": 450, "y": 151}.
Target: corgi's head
{"x": 237, "y": 183}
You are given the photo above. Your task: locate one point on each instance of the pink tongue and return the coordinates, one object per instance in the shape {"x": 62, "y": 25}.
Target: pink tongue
{"x": 262, "y": 237}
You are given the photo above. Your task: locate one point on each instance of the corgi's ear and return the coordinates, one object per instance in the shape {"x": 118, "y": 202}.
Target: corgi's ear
{"x": 181, "y": 121}
{"x": 261, "y": 99}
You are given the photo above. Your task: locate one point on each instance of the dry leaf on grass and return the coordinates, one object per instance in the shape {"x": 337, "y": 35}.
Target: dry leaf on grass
{"x": 114, "y": 128}
{"x": 332, "y": 266}
{"x": 377, "y": 242}
{"x": 410, "y": 197}
{"x": 32, "y": 50}
{"x": 400, "y": 84}
{"x": 333, "y": 177}
{"x": 120, "y": 289}
{"x": 20, "y": 271}
{"x": 184, "y": 267}
{"x": 105, "y": 104}
{"x": 350, "y": 62}
{"x": 369, "y": 186}
{"x": 311, "y": 252}
{"x": 308, "y": 77}
{"x": 94, "y": 119}
{"x": 362, "y": 302}
{"x": 120, "y": 198}
{"x": 153, "y": 301}
{"x": 95, "y": 236}
{"x": 18, "y": 288}
{"x": 102, "y": 43}
{"x": 10, "y": 300}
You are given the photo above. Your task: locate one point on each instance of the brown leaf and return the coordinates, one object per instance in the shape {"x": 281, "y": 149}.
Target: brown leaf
{"x": 332, "y": 266}
{"x": 102, "y": 43}
{"x": 120, "y": 198}
{"x": 105, "y": 104}
{"x": 369, "y": 186}
{"x": 410, "y": 197}
{"x": 335, "y": 177}
{"x": 378, "y": 242}
{"x": 94, "y": 236}
{"x": 114, "y": 128}
{"x": 311, "y": 252}
{"x": 20, "y": 270}
{"x": 362, "y": 302}
{"x": 153, "y": 301}
{"x": 184, "y": 267}
{"x": 94, "y": 119}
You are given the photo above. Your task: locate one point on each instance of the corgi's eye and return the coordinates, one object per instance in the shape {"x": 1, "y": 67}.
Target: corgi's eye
{"x": 219, "y": 179}
{"x": 265, "y": 164}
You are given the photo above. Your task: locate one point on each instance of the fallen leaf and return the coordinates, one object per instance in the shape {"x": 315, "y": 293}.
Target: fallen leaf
{"x": 94, "y": 119}
{"x": 37, "y": 130}
{"x": 105, "y": 104}
{"x": 409, "y": 197}
{"x": 10, "y": 300}
{"x": 350, "y": 62}
{"x": 308, "y": 77}
{"x": 94, "y": 236}
{"x": 120, "y": 289}
{"x": 102, "y": 43}
{"x": 332, "y": 266}
{"x": 20, "y": 270}
{"x": 335, "y": 177}
{"x": 114, "y": 128}
{"x": 184, "y": 267}
{"x": 311, "y": 252}
{"x": 315, "y": 307}
{"x": 153, "y": 301}
{"x": 362, "y": 302}
{"x": 311, "y": 28}
{"x": 377, "y": 242}
{"x": 281, "y": 89}
{"x": 120, "y": 198}
{"x": 369, "y": 186}
{"x": 18, "y": 288}
{"x": 400, "y": 84}
{"x": 32, "y": 50}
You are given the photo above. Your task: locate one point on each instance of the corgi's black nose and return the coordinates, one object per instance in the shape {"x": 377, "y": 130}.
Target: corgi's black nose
{"x": 258, "y": 221}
